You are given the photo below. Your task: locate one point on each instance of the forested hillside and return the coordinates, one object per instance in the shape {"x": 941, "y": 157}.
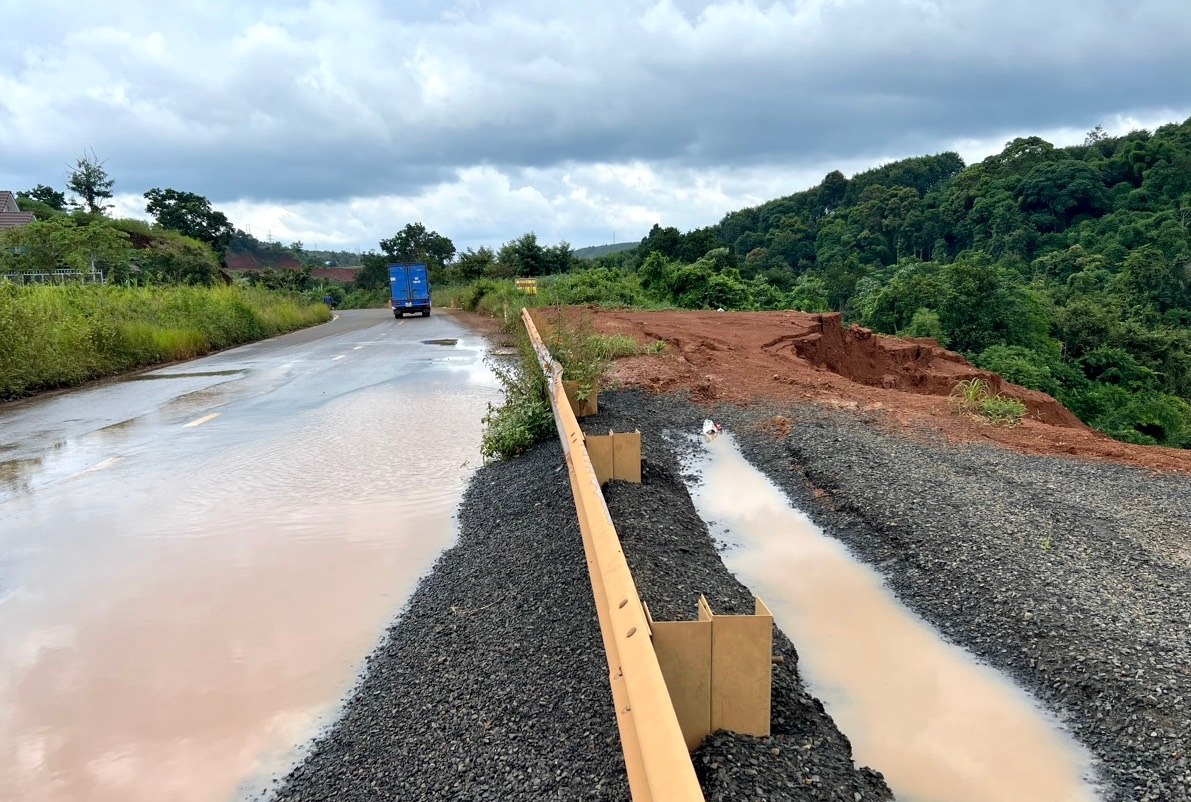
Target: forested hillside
{"x": 1063, "y": 269}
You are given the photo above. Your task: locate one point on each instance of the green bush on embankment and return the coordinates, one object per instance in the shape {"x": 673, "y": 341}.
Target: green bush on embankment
{"x": 57, "y": 336}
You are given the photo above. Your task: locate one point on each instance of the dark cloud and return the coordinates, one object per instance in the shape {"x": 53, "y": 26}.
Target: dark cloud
{"x": 324, "y": 101}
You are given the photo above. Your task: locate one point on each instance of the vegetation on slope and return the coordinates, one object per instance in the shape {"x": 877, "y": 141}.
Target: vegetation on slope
{"x": 1067, "y": 270}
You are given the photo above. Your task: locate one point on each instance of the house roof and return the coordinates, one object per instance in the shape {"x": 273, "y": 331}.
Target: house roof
{"x": 11, "y": 215}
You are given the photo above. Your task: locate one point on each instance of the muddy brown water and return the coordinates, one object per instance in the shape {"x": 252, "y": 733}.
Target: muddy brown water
{"x": 940, "y": 726}
{"x": 183, "y": 605}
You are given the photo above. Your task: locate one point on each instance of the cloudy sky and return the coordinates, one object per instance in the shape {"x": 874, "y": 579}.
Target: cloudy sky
{"x": 336, "y": 123}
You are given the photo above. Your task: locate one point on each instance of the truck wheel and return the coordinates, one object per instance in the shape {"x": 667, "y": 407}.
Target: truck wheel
{"x": 425, "y": 313}
{"x": 396, "y": 314}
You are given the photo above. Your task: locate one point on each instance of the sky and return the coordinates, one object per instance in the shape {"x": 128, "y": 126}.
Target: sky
{"x": 336, "y": 123}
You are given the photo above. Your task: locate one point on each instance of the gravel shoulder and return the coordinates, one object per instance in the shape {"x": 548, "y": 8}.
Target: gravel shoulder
{"x": 492, "y": 684}
{"x": 1073, "y": 577}
{"x": 1070, "y": 576}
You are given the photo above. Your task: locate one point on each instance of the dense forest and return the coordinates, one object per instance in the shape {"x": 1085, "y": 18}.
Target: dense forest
{"x": 1063, "y": 269}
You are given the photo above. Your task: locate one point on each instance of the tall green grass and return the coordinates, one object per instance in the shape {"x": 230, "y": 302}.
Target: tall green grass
{"x": 59, "y": 336}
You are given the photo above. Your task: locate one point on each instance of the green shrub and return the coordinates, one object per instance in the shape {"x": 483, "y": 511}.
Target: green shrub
{"x": 1001, "y": 410}
{"x": 364, "y": 299}
{"x": 925, "y": 323}
{"x": 524, "y": 417}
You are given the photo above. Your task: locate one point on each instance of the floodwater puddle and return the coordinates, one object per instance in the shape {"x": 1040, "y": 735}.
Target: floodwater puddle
{"x": 15, "y": 473}
{"x": 193, "y": 375}
{"x": 451, "y": 341}
{"x": 182, "y": 609}
{"x": 939, "y": 725}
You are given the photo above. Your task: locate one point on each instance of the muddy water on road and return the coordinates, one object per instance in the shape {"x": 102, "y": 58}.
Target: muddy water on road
{"x": 179, "y": 619}
{"x": 941, "y": 727}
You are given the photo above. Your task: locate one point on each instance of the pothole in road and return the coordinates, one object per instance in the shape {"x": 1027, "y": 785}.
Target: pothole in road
{"x": 195, "y": 375}
{"x": 447, "y": 341}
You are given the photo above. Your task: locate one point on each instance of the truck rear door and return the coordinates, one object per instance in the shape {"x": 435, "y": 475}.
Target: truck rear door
{"x": 419, "y": 285}
{"x": 399, "y": 284}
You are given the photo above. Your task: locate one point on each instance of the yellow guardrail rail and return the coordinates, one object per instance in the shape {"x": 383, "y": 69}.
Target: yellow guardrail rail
{"x": 655, "y": 754}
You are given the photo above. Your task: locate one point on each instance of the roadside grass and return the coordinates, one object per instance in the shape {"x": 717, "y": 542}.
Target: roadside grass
{"x": 58, "y": 336}
{"x": 365, "y": 299}
{"x": 524, "y": 418}
{"x": 974, "y": 397}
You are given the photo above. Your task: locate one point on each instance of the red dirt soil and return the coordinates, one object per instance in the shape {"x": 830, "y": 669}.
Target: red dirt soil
{"x": 738, "y": 357}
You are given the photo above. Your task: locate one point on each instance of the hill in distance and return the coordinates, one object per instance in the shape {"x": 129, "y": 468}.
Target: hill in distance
{"x": 595, "y": 251}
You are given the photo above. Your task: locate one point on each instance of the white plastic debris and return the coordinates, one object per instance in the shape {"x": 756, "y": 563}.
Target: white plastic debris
{"x": 710, "y": 428}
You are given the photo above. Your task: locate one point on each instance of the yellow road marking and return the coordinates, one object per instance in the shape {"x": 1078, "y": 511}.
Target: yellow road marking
{"x": 202, "y": 420}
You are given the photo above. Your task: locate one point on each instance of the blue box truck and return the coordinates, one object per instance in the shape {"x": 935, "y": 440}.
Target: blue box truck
{"x": 409, "y": 286}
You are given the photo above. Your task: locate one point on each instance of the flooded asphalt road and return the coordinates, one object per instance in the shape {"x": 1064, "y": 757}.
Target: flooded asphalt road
{"x": 194, "y": 562}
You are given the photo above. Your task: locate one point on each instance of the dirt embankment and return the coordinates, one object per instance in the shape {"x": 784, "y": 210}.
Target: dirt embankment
{"x": 909, "y": 365}
{"x": 738, "y": 357}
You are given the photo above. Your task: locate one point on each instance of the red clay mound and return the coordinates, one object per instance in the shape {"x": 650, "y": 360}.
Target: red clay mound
{"x": 738, "y": 357}
{"x": 908, "y": 365}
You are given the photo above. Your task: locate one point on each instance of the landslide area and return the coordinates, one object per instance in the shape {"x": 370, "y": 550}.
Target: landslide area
{"x": 741, "y": 357}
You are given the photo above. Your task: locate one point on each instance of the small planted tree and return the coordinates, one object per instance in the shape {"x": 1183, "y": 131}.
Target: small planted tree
{"x": 91, "y": 183}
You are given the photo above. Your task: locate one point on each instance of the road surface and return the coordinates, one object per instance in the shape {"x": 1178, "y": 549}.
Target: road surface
{"x": 195, "y": 560}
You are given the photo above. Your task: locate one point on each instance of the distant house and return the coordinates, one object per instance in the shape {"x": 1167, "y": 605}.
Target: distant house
{"x": 11, "y": 215}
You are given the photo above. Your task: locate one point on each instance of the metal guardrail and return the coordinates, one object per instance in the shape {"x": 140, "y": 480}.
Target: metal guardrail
{"x": 655, "y": 754}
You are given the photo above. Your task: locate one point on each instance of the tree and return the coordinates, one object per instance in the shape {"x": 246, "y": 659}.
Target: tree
{"x": 1150, "y": 278}
{"x": 63, "y": 241}
{"x": 663, "y": 241}
{"x": 374, "y": 272}
{"x": 559, "y": 258}
{"x": 986, "y": 304}
{"x": 48, "y": 195}
{"x": 90, "y": 182}
{"x": 178, "y": 260}
{"x": 415, "y": 243}
{"x": 191, "y": 215}
{"x": 1094, "y": 136}
{"x": 473, "y": 264}
{"x": 809, "y": 294}
{"x": 524, "y": 256}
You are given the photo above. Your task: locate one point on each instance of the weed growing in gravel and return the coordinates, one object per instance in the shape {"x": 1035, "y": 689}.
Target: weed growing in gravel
{"x": 524, "y": 417}
{"x": 583, "y": 354}
{"x": 974, "y": 397}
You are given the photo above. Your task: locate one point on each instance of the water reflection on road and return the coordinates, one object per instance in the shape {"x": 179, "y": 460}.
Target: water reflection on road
{"x": 941, "y": 727}
{"x": 182, "y": 606}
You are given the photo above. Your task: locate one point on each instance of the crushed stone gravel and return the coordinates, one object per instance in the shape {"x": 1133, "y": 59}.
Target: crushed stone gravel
{"x": 492, "y": 683}
{"x": 1073, "y": 577}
